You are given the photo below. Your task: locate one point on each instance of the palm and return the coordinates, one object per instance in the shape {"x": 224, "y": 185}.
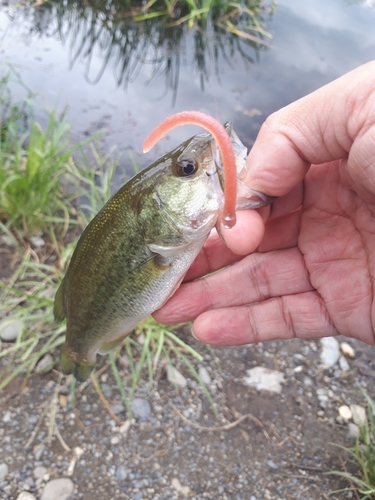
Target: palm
{"x": 337, "y": 240}
{"x": 313, "y": 275}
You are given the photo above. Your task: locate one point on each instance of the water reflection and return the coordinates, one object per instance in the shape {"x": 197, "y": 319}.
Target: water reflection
{"x": 312, "y": 44}
{"x": 105, "y": 31}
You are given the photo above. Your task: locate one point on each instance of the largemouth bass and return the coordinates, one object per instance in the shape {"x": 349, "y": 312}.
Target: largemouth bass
{"x": 135, "y": 252}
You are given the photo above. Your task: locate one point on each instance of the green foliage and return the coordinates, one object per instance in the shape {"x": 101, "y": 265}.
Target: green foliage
{"x": 43, "y": 189}
{"x": 362, "y": 455}
{"x": 40, "y": 182}
{"x": 30, "y": 178}
{"x": 29, "y": 294}
{"x": 35, "y": 177}
{"x": 28, "y": 298}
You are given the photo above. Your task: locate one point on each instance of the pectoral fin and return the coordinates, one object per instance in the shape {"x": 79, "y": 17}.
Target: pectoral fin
{"x": 167, "y": 250}
{"x": 110, "y": 346}
{"x": 164, "y": 254}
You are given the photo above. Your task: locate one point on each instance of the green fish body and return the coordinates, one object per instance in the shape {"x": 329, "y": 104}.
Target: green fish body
{"x": 135, "y": 252}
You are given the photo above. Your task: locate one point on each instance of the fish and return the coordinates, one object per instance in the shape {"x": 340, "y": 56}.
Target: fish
{"x": 135, "y": 252}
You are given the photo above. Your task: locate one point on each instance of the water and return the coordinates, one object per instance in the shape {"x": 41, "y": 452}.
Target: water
{"x": 127, "y": 81}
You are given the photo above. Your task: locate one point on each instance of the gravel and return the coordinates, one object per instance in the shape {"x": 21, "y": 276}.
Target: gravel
{"x": 280, "y": 449}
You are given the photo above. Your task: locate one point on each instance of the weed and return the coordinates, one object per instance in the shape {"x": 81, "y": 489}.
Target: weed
{"x": 28, "y": 300}
{"x": 44, "y": 190}
{"x": 362, "y": 455}
{"x": 36, "y": 179}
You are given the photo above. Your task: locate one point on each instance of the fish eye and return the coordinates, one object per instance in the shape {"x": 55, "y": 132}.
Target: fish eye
{"x": 186, "y": 168}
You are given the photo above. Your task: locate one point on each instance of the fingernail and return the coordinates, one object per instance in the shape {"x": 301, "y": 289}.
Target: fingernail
{"x": 193, "y": 334}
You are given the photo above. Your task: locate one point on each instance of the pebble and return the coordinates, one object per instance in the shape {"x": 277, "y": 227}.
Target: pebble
{"x": 353, "y": 430}
{"x": 359, "y": 415}
{"x": 58, "y": 489}
{"x": 45, "y": 364}
{"x": 39, "y": 451}
{"x": 63, "y": 400}
{"x": 29, "y": 481}
{"x": 37, "y": 241}
{"x": 345, "y": 412}
{"x": 271, "y": 464}
{"x": 140, "y": 407}
{"x": 141, "y": 339}
{"x": 121, "y": 472}
{"x": 204, "y": 375}
{"x": 184, "y": 490}
{"x": 347, "y": 350}
{"x": 115, "y": 440}
{"x": 6, "y": 240}
{"x": 117, "y": 408}
{"x": 330, "y": 352}
{"x": 299, "y": 356}
{"x": 124, "y": 360}
{"x": 107, "y": 390}
{"x": 264, "y": 379}
{"x": 40, "y": 474}
{"x": 7, "y": 417}
{"x": 123, "y": 429}
{"x": 4, "y": 469}
{"x": 33, "y": 419}
{"x": 322, "y": 397}
{"x": 175, "y": 377}
{"x": 343, "y": 364}
{"x": 25, "y": 495}
{"x": 9, "y": 329}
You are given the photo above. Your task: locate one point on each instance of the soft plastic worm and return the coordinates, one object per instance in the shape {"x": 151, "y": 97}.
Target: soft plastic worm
{"x": 223, "y": 141}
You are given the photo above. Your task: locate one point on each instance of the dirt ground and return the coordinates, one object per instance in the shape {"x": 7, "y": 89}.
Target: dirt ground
{"x": 280, "y": 449}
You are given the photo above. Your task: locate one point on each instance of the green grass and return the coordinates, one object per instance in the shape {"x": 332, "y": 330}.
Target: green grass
{"x": 362, "y": 457}
{"x": 29, "y": 294}
{"x": 28, "y": 298}
{"x": 44, "y": 190}
{"x": 240, "y": 18}
{"x": 36, "y": 175}
{"x": 41, "y": 184}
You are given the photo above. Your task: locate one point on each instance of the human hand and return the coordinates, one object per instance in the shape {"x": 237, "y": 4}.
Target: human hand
{"x": 314, "y": 272}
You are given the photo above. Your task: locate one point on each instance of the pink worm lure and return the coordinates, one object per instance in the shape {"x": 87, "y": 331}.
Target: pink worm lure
{"x": 223, "y": 141}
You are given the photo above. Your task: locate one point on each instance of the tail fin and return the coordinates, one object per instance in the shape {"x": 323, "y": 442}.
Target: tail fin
{"x": 80, "y": 369}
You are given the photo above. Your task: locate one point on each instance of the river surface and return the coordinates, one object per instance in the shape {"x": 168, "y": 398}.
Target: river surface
{"x": 127, "y": 88}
